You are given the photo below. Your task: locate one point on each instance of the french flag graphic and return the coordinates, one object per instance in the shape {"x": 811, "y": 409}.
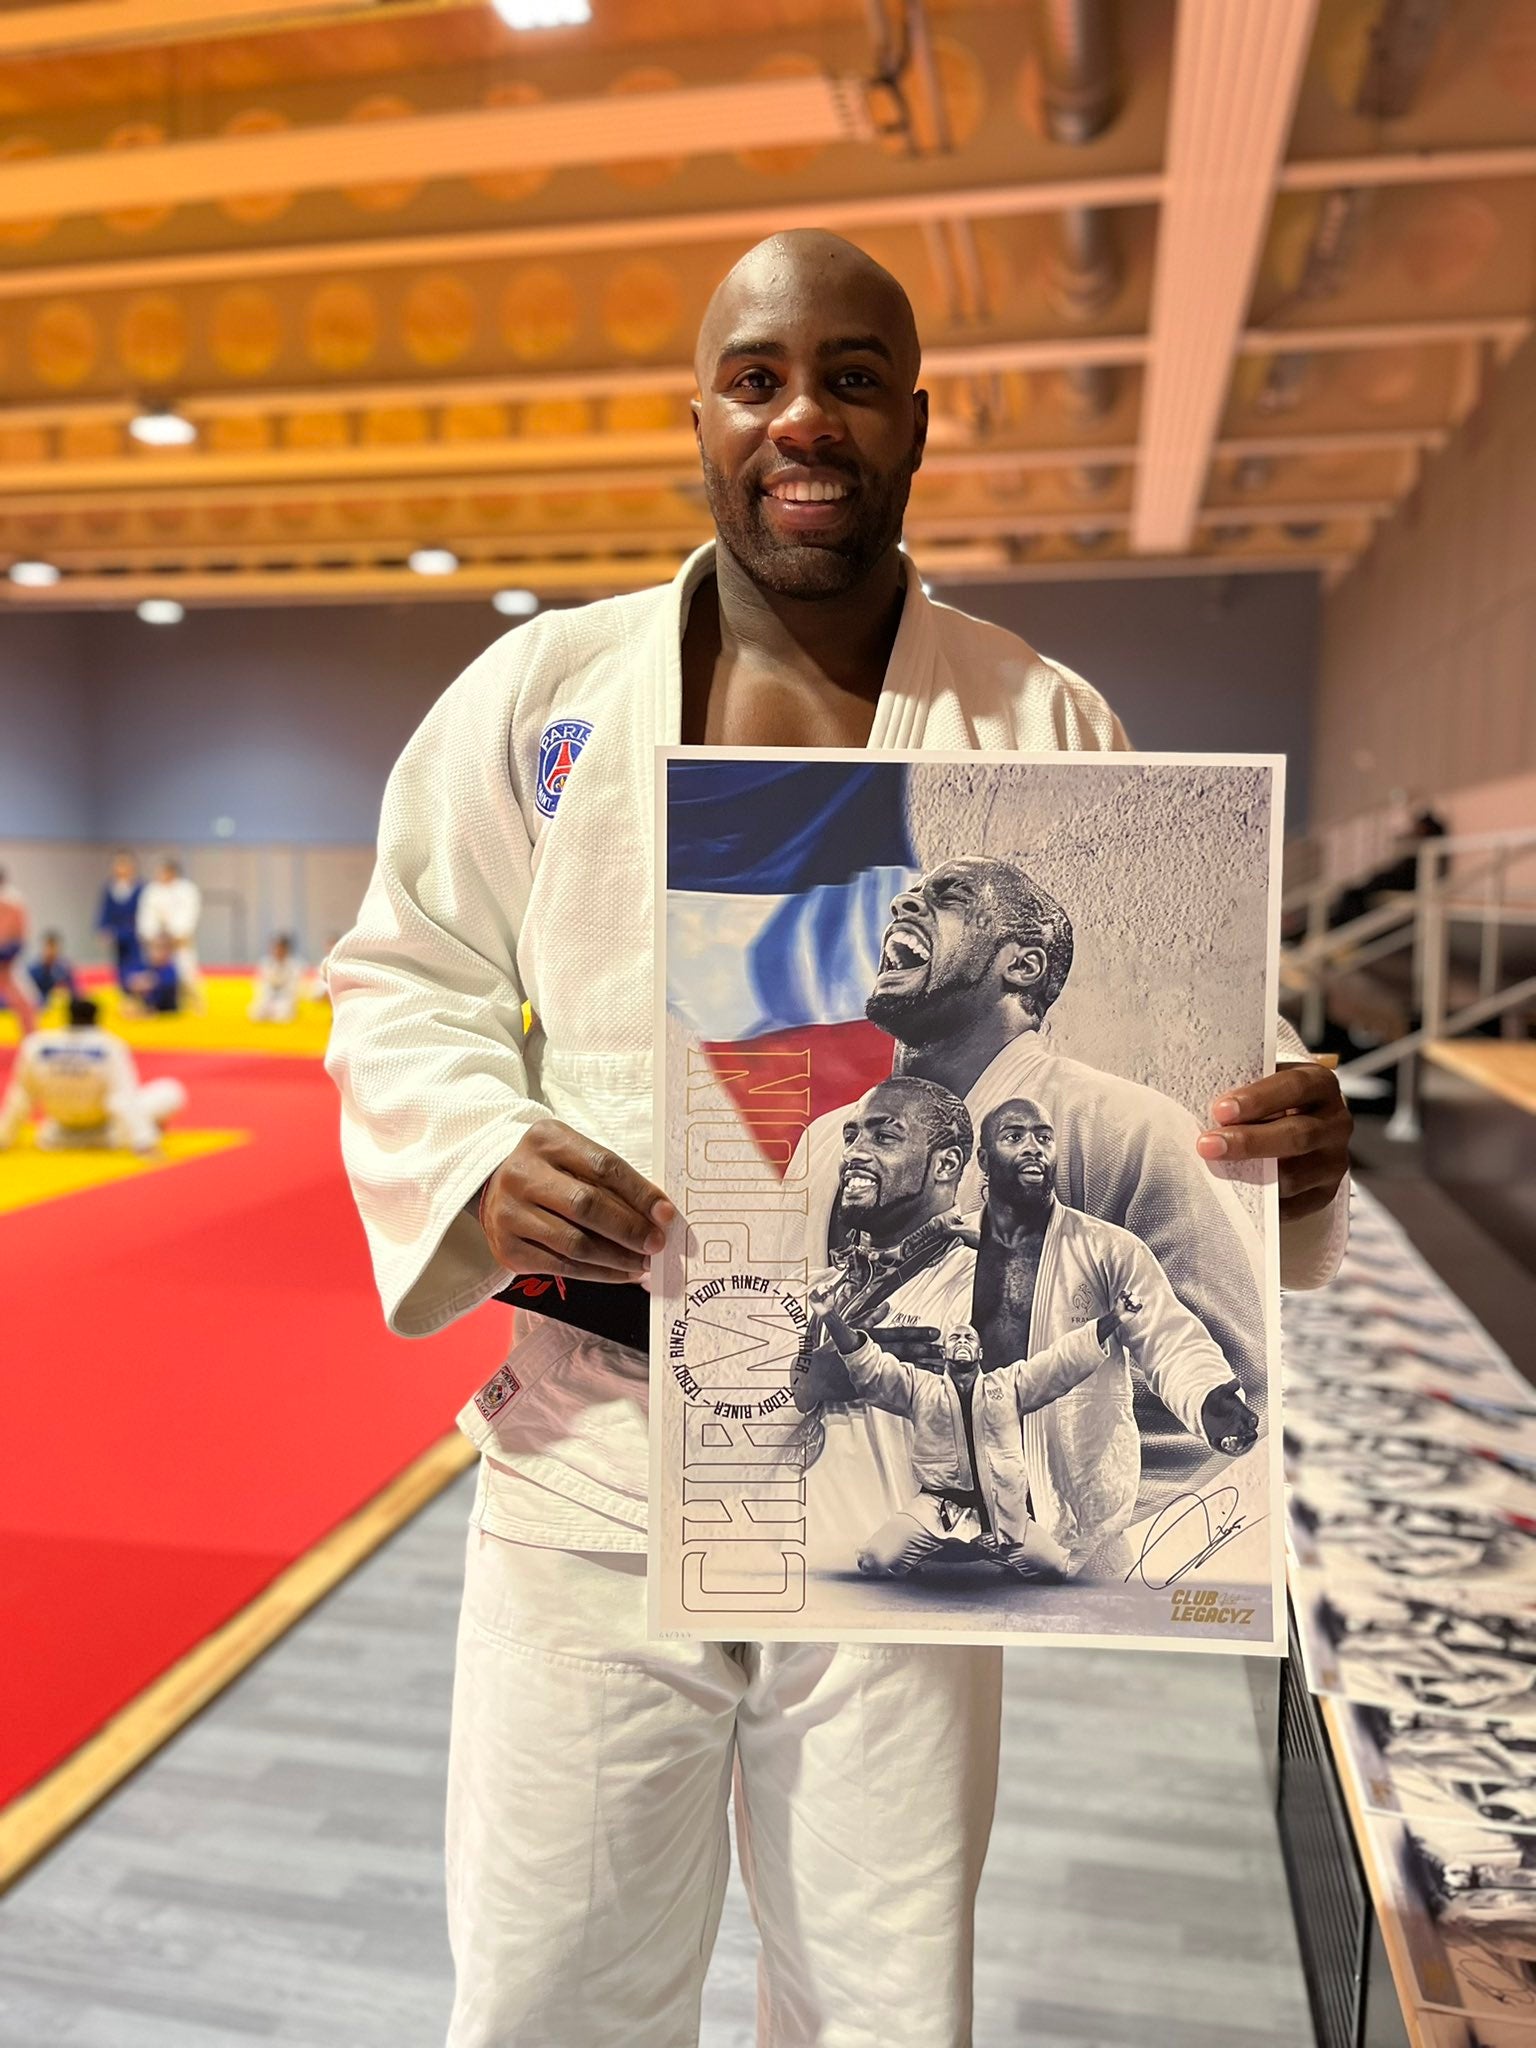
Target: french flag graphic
{"x": 779, "y": 885}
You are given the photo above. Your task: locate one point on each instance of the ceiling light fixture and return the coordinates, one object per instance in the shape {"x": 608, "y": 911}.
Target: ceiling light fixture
{"x": 532, "y": 14}
{"x": 162, "y": 429}
{"x": 34, "y": 575}
{"x": 515, "y": 604}
{"x": 432, "y": 561}
{"x": 161, "y": 611}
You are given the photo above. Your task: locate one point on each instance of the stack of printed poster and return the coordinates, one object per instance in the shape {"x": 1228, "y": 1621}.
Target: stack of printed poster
{"x": 1410, "y": 1446}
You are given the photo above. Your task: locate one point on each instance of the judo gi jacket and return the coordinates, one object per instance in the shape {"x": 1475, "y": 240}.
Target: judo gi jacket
{"x": 515, "y": 866}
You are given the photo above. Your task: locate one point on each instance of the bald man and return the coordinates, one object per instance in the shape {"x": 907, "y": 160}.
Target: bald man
{"x": 590, "y": 1765}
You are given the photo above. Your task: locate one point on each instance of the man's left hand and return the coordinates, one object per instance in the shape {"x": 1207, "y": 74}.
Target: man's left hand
{"x": 1297, "y": 1116}
{"x": 1230, "y": 1425}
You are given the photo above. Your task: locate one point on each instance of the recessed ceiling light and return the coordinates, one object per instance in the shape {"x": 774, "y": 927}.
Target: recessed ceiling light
{"x": 530, "y": 14}
{"x": 516, "y": 604}
{"x": 34, "y": 575}
{"x": 433, "y": 561}
{"x": 161, "y": 611}
{"x": 162, "y": 429}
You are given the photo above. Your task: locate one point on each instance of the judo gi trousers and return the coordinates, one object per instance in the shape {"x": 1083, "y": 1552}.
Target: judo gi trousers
{"x": 588, "y": 1849}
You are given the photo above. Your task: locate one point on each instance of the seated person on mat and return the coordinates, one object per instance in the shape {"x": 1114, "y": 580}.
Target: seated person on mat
{"x": 84, "y": 1089}
{"x": 966, "y": 1421}
{"x": 156, "y": 986}
{"x": 280, "y": 980}
{"x": 50, "y": 970}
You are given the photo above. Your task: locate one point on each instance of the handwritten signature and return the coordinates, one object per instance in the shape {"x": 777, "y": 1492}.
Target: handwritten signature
{"x": 1497, "y": 1980}
{"x": 1192, "y": 1528}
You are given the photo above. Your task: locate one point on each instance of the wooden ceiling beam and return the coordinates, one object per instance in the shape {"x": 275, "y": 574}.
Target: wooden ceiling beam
{"x": 598, "y": 577}
{"x": 1410, "y": 167}
{"x": 98, "y": 24}
{"x": 738, "y": 225}
{"x": 846, "y": 212}
{"x": 601, "y": 578}
{"x": 1236, "y": 75}
{"x": 675, "y": 379}
{"x": 1504, "y": 330}
{"x": 697, "y": 120}
{"x": 482, "y": 552}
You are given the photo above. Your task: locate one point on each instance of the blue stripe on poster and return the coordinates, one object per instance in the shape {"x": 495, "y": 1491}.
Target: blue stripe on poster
{"x": 764, "y": 828}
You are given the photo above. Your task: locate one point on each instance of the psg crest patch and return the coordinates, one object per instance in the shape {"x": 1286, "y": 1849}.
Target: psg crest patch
{"x": 559, "y": 748}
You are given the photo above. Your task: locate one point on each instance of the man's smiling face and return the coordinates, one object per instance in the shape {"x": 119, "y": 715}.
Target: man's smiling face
{"x": 808, "y": 425}
{"x": 885, "y": 1156}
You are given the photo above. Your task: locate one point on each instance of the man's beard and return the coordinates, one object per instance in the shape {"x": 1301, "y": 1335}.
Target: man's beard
{"x": 930, "y": 1014}
{"x": 805, "y": 568}
{"x": 1024, "y": 1197}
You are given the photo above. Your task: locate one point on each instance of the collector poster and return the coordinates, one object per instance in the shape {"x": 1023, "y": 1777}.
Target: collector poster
{"x": 959, "y": 1338}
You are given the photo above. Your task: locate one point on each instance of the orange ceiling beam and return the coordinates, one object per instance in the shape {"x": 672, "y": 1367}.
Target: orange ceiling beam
{"x": 751, "y": 114}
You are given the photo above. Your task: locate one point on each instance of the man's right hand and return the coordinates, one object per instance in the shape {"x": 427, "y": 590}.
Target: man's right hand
{"x": 565, "y": 1205}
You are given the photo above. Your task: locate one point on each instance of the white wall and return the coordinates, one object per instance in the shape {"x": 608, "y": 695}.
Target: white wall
{"x": 1427, "y": 680}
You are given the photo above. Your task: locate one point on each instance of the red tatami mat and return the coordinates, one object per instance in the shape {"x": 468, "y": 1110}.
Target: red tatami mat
{"x": 195, "y": 1385}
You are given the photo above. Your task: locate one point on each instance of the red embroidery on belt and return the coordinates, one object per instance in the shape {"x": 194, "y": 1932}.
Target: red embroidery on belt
{"x": 532, "y": 1285}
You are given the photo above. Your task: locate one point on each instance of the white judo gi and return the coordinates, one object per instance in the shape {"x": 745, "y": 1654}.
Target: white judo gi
{"x": 279, "y": 986}
{"x": 590, "y": 1766}
{"x": 171, "y": 910}
{"x": 965, "y": 1449}
{"x": 84, "y": 1089}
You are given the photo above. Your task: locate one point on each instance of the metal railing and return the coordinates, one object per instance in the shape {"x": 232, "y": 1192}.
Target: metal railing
{"x": 1458, "y": 881}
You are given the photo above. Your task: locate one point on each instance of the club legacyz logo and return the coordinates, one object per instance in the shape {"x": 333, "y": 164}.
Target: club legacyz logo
{"x": 1209, "y": 1608}
{"x": 560, "y": 746}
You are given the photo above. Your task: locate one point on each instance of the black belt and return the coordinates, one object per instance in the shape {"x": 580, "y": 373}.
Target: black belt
{"x": 621, "y": 1312}
{"x": 955, "y": 1496}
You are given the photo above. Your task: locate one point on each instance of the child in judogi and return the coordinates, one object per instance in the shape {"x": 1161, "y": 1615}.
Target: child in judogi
{"x": 966, "y": 1506}
{"x": 280, "y": 982}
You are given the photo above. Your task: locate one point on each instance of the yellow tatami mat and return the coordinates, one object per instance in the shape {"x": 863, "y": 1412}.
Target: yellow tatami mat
{"x": 220, "y": 1026}
{"x": 28, "y": 1176}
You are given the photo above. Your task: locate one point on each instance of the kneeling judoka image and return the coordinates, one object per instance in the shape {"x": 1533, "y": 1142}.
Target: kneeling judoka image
{"x": 965, "y": 1425}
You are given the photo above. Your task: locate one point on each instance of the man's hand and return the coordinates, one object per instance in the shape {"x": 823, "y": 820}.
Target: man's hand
{"x": 1297, "y": 1116}
{"x": 565, "y": 1205}
{"x": 1230, "y": 1425}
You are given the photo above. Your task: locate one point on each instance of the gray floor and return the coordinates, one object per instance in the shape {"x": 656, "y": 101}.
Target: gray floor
{"x": 274, "y": 1874}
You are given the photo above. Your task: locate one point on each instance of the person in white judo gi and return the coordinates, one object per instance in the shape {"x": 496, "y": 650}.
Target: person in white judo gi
{"x": 281, "y": 981}
{"x": 1042, "y": 1274}
{"x": 967, "y": 1421}
{"x": 591, "y": 1766}
{"x": 905, "y": 1146}
{"x": 170, "y": 908}
{"x": 81, "y": 1085}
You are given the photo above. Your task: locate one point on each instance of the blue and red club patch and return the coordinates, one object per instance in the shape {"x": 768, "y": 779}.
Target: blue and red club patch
{"x": 560, "y": 746}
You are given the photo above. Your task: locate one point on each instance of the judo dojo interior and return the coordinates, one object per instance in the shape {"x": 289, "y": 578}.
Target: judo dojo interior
{"x": 337, "y": 338}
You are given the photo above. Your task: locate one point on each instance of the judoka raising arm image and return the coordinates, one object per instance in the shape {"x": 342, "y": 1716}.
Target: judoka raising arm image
{"x": 1041, "y": 1268}
{"x": 960, "y": 1417}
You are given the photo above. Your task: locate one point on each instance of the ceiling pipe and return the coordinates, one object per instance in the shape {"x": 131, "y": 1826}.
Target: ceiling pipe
{"x": 1079, "y": 98}
{"x": 1402, "y": 44}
